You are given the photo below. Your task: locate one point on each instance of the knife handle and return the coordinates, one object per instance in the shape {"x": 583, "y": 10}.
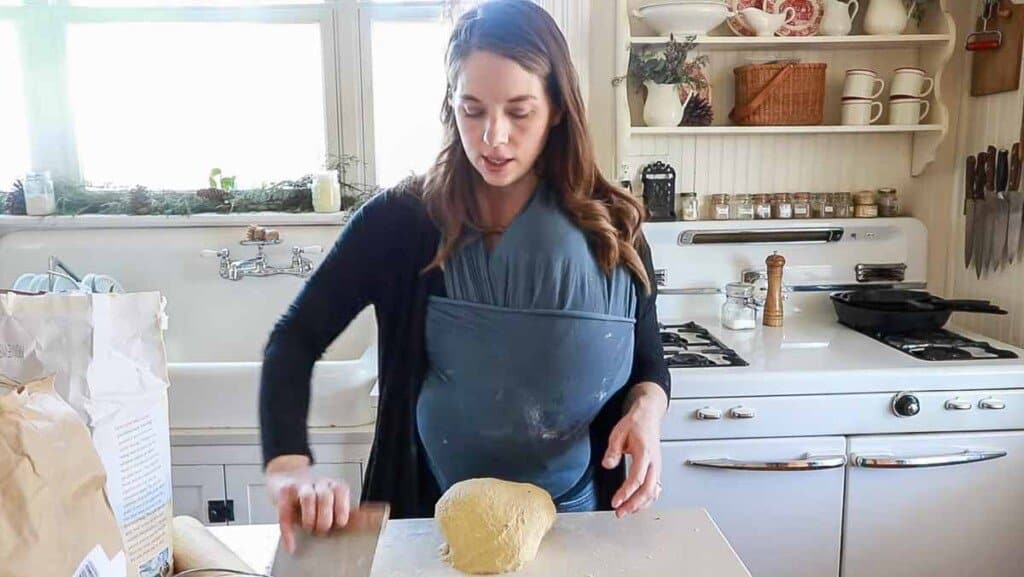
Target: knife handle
{"x": 980, "y": 176}
{"x": 990, "y": 169}
{"x": 1002, "y": 170}
{"x": 1015, "y": 166}
{"x": 969, "y": 178}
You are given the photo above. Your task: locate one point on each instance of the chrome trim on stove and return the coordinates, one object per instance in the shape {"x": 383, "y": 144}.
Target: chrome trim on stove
{"x": 808, "y": 463}
{"x": 815, "y": 235}
{"x": 890, "y": 462}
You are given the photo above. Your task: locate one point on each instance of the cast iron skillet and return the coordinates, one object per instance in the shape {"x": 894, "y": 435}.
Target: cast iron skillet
{"x": 901, "y": 311}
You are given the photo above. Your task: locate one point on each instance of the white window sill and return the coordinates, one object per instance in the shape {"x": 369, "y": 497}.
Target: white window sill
{"x": 10, "y": 223}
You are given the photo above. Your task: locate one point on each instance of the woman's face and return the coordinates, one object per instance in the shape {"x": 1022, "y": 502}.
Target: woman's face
{"x": 503, "y": 114}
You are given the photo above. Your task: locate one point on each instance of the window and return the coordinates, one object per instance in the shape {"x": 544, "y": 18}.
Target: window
{"x": 14, "y": 143}
{"x": 189, "y": 96}
{"x": 159, "y": 92}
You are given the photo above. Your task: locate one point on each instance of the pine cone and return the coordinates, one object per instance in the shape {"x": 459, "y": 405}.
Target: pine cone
{"x": 14, "y": 201}
{"x": 698, "y": 112}
{"x": 139, "y": 201}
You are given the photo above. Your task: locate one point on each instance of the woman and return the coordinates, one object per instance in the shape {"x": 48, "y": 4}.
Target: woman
{"x": 517, "y": 326}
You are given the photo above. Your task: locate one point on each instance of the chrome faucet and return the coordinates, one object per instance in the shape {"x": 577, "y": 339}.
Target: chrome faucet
{"x": 258, "y": 266}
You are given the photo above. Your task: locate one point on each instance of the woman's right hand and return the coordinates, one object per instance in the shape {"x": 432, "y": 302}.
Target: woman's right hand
{"x": 317, "y": 504}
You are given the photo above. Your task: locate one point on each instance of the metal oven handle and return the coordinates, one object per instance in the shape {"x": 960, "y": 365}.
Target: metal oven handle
{"x": 807, "y": 463}
{"x": 891, "y": 462}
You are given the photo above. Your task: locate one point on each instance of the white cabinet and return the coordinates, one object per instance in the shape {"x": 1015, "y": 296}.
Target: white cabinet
{"x": 193, "y": 487}
{"x": 782, "y": 523}
{"x": 247, "y": 491}
{"x": 922, "y": 519}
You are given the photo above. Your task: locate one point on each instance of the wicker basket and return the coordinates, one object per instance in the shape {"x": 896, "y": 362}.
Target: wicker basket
{"x": 779, "y": 94}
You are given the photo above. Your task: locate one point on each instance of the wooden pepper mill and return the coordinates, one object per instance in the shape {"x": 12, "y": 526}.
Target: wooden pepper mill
{"x": 773, "y": 304}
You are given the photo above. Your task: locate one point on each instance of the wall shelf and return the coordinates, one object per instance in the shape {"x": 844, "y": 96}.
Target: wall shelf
{"x": 858, "y": 42}
{"x": 743, "y": 130}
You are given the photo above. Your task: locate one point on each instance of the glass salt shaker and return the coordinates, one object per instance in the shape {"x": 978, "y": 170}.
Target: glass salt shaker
{"x": 738, "y": 310}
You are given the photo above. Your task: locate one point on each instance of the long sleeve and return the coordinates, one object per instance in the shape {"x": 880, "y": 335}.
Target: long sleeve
{"x": 342, "y": 286}
{"x": 648, "y": 357}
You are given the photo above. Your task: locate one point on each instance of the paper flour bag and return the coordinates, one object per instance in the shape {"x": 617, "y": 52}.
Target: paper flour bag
{"x": 107, "y": 354}
{"x": 54, "y": 515}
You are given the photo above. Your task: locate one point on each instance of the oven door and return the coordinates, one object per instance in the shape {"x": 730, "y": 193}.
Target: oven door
{"x": 939, "y": 504}
{"x": 779, "y": 502}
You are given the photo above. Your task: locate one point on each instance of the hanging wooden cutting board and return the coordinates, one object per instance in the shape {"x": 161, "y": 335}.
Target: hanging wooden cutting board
{"x": 995, "y": 71}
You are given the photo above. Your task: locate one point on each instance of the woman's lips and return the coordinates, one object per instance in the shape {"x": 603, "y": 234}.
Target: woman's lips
{"x": 496, "y": 164}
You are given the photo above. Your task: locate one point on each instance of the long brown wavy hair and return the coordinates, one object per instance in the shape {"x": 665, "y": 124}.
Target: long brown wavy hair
{"x": 609, "y": 216}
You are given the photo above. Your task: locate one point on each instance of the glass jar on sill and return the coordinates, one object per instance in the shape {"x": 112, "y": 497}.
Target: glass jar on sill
{"x": 888, "y": 202}
{"x": 720, "y": 206}
{"x": 39, "y": 196}
{"x": 741, "y": 207}
{"x": 843, "y": 204}
{"x": 822, "y": 205}
{"x": 864, "y": 204}
{"x": 688, "y": 208}
{"x": 762, "y": 206}
{"x": 738, "y": 310}
{"x": 801, "y": 205}
{"x": 782, "y": 206}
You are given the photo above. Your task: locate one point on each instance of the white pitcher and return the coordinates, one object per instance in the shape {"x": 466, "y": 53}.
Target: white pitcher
{"x": 887, "y": 17}
{"x": 838, "y": 21}
{"x": 662, "y": 107}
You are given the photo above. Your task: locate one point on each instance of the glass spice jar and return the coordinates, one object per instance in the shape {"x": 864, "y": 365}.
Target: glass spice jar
{"x": 843, "y": 205}
{"x": 762, "y": 206}
{"x": 741, "y": 207}
{"x": 782, "y": 206}
{"x": 738, "y": 310}
{"x": 888, "y": 202}
{"x": 864, "y": 204}
{"x": 801, "y": 205}
{"x": 688, "y": 208}
{"x": 720, "y": 206}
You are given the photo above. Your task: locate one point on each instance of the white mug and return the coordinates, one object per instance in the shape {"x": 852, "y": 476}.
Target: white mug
{"x": 909, "y": 82}
{"x": 908, "y": 111}
{"x": 860, "y": 111}
{"x": 860, "y": 83}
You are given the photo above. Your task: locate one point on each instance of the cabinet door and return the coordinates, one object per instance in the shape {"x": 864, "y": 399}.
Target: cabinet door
{"x": 940, "y": 504}
{"x": 194, "y": 486}
{"x": 245, "y": 486}
{"x": 779, "y": 502}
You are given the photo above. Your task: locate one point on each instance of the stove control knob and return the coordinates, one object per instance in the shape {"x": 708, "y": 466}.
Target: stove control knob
{"x": 906, "y": 405}
{"x": 742, "y": 412}
{"x": 992, "y": 404}
{"x": 958, "y": 404}
{"x": 709, "y": 414}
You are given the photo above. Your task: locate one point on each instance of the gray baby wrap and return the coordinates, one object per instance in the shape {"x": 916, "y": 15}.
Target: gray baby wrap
{"x": 530, "y": 343}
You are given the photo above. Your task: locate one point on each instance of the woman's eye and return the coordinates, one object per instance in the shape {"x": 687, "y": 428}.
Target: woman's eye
{"x": 471, "y": 112}
{"x": 519, "y": 114}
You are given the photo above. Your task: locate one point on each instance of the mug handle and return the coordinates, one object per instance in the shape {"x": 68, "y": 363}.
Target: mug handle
{"x": 927, "y": 109}
{"x": 881, "y": 87}
{"x": 790, "y": 14}
{"x": 856, "y": 8}
{"x": 931, "y": 86}
{"x": 875, "y": 117}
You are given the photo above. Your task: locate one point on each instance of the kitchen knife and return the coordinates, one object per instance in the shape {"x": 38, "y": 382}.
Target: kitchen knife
{"x": 980, "y": 220}
{"x": 969, "y": 211}
{"x": 991, "y": 206}
{"x": 345, "y": 552}
{"x": 1016, "y": 205}
{"x": 1002, "y": 216}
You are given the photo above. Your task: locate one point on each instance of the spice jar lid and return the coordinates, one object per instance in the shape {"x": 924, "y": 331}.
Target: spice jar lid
{"x": 865, "y": 197}
{"x": 739, "y": 289}
{"x": 688, "y": 194}
{"x": 720, "y": 198}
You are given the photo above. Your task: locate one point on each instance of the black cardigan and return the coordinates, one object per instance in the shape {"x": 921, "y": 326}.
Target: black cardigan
{"x": 378, "y": 259}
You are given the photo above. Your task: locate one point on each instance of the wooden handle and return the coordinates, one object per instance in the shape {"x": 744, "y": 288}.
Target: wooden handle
{"x": 741, "y": 113}
{"x": 773, "y": 305}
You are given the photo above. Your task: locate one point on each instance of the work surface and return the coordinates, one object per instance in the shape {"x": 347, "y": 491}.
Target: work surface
{"x": 677, "y": 543}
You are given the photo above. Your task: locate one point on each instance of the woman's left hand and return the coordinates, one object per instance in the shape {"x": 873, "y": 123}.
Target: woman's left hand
{"x": 638, "y": 434}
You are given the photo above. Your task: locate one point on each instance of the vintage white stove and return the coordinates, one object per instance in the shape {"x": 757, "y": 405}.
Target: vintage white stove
{"x": 823, "y": 451}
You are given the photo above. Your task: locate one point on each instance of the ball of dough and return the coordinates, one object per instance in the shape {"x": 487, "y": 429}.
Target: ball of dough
{"x": 493, "y": 526}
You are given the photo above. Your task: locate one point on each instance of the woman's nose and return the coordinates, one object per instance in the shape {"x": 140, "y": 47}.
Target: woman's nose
{"x": 496, "y": 132}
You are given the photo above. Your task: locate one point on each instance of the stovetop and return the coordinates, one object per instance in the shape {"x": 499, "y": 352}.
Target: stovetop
{"x": 691, "y": 345}
{"x": 942, "y": 345}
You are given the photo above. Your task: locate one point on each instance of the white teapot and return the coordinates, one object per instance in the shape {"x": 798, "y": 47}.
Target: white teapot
{"x": 767, "y": 23}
